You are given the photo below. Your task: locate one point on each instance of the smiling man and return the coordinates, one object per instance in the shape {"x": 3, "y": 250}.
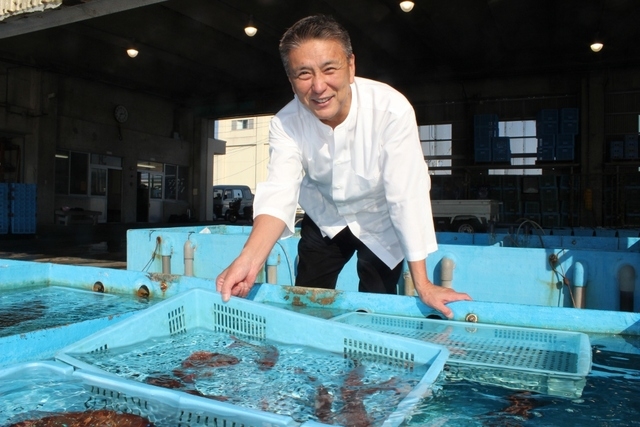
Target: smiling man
{"x": 347, "y": 150}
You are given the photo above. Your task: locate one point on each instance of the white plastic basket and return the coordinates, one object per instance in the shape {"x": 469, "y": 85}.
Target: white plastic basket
{"x": 203, "y": 309}
{"x": 541, "y": 360}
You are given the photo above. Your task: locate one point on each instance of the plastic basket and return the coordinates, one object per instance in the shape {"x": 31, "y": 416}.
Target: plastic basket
{"x": 540, "y": 360}
{"x": 201, "y": 309}
{"x": 39, "y": 389}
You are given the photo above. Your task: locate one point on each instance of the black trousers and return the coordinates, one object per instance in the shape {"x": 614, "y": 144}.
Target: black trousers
{"x": 320, "y": 260}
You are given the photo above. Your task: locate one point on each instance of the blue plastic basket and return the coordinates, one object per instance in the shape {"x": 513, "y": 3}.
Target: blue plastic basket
{"x": 38, "y": 389}
{"x": 201, "y": 309}
{"x": 540, "y": 360}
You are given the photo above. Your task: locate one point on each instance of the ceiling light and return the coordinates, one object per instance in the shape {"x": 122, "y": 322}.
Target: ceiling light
{"x": 132, "y": 52}
{"x": 596, "y": 46}
{"x": 250, "y": 29}
{"x": 406, "y": 6}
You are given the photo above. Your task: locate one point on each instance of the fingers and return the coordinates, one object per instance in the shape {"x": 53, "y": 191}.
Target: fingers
{"x": 228, "y": 284}
{"x": 220, "y": 286}
{"x": 445, "y": 310}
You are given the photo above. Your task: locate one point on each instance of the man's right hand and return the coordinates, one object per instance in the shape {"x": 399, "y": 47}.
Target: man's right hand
{"x": 236, "y": 280}
{"x": 240, "y": 276}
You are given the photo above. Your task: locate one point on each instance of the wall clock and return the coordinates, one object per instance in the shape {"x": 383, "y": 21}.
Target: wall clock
{"x": 121, "y": 114}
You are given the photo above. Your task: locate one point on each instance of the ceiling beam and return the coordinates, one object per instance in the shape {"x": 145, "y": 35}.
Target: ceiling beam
{"x": 29, "y": 23}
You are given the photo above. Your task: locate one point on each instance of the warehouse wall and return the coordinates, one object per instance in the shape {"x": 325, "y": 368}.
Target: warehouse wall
{"x": 42, "y": 112}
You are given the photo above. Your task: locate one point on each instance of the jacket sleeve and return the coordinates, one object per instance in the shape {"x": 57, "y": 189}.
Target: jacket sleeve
{"x": 278, "y": 195}
{"x": 407, "y": 185}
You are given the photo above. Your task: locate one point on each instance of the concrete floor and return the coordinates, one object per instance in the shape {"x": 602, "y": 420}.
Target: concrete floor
{"x": 101, "y": 245}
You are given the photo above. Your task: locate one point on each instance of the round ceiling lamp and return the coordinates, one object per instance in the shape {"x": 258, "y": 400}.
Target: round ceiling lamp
{"x": 132, "y": 52}
{"x": 250, "y": 29}
{"x": 596, "y": 46}
{"x": 406, "y": 6}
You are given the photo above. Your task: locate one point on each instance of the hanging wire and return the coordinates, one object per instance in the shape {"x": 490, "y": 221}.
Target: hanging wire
{"x": 553, "y": 261}
{"x": 153, "y": 256}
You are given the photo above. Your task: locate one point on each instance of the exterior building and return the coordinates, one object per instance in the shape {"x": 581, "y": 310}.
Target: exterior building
{"x": 246, "y": 155}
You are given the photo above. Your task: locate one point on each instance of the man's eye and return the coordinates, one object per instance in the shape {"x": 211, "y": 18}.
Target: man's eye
{"x": 304, "y": 75}
{"x": 330, "y": 70}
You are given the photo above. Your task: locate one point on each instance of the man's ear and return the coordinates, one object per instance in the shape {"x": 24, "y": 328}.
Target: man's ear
{"x": 352, "y": 67}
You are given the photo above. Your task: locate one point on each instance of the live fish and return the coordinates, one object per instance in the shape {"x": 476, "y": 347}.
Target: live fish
{"x": 207, "y": 359}
{"x": 269, "y": 354}
{"x": 352, "y": 393}
{"x": 323, "y": 403}
{"x": 513, "y": 415}
{"x": 102, "y": 418}
{"x": 20, "y": 313}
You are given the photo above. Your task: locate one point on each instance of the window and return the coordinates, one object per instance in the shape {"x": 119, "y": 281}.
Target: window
{"x": 83, "y": 174}
{"x": 165, "y": 181}
{"x": 62, "y": 172}
{"x": 182, "y": 193}
{"x": 78, "y": 173}
{"x": 524, "y": 147}
{"x": 170, "y": 189}
{"x": 175, "y": 182}
{"x": 436, "y": 147}
{"x": 98, "y": 181}
{"x": 242, "y": 124}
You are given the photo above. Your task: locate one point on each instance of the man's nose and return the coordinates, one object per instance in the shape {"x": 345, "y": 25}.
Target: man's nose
{"x": 318, "y": 84}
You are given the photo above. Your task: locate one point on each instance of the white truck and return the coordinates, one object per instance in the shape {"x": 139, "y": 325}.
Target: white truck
{"x": 465, "y": 216}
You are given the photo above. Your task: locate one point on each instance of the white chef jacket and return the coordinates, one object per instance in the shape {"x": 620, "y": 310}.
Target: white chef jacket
{"x": 368, "y": 173}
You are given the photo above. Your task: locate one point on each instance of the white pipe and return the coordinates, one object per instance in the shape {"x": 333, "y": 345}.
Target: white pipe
{"x": 272, "y": 268}
{"x": 166, "y": 248}
{"x": 166, "y": 264}
{"x": 627, "y": 285}
{"x": 188, "y": 258}
{"x": 579, "y": 282}
{"x": 409, "y": 288}
{"x": 446, "y": 272}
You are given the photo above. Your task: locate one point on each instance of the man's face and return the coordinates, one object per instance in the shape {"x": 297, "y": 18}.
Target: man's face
{"x": 320, "y": 74}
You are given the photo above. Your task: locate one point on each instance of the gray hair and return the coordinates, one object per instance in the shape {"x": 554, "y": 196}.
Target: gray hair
{"x": 321, "y": 27}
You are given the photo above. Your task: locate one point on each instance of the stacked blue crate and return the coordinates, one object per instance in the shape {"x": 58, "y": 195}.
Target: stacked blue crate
{"x": 631, "y": 146}
{"x": 556, "y": 131}
{"x": 532, "y": 207}
{"x": 616, "y": 150}
{"x": 568, "y": 121}
{"x": 23, "y": 208}
{"x": 485, "y": 128}
{"x": 631, "y": 197}
{"x": 569, "y": 197}
{"x": 501, "y": 149}
{"x": 547, "y": 122}
{"x": 546, "y": 148}
{"x": 511, "y": 207}
{"x": 549, "y": 206}
{"x": 565, "y": 147}
{"x": 4, "y": 208}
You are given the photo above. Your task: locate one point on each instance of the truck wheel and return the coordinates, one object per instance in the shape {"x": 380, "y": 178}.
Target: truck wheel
{"x": 232, "y": 217}
{"x": 465, "y": 227}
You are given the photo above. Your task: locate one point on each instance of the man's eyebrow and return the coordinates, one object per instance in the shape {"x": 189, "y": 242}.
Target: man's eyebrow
{"x": 323, "y": 65}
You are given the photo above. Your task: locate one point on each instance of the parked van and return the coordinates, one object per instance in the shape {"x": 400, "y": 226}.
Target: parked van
{"x": 232, "y": 202}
